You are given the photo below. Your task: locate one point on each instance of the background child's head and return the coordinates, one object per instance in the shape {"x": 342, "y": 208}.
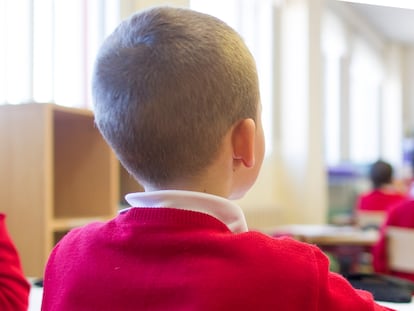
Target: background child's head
{"x": 168, "y": 84}
{"x": 381, "y": 174}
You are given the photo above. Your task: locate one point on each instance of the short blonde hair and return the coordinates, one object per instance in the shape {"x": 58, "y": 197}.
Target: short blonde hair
{"x": 167, "y": 85}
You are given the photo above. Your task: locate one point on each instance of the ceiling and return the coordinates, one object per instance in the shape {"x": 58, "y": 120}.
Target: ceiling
{"x": 394, "y": 23}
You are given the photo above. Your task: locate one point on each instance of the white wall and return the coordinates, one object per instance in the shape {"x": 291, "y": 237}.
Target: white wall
{"x": 408, "y": 95}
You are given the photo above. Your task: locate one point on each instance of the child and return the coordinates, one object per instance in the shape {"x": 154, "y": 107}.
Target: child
{"x": 177, "y": 98}
{"x": 384, "y": 194}
{"x": 400, "y": 215}
{"x": 14, "y": 288}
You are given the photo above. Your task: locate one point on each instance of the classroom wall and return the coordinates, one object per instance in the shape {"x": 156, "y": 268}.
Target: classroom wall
{"x": 408, "y": 94}
{"x": 294, "y": 174}
{"x": 296, "y": 170}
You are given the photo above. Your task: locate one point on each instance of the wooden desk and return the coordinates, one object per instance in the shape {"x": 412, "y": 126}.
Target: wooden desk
{"x": 329, "y": 235}
{"x": 345, "y": 243}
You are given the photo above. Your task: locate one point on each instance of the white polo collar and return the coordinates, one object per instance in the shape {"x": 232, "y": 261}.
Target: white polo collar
{"x": 224, "y": 210}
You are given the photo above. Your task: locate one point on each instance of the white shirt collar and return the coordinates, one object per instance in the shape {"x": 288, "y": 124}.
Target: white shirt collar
{"x": 224, "y": 210}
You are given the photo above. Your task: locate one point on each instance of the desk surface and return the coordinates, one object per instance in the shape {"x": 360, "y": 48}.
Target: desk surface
{"x": 35, "y": 298}
{"x": 325, "y": 235}
{"x": 35, "y": 302}
{"x": 398, "y": 306}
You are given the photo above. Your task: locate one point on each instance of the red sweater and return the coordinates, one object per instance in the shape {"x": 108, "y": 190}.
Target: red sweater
{"x": 401, "y": 215}
{"x": 14, "y": 288}
{"x": 378, "y": 200}
{"x": 172, "y": 259}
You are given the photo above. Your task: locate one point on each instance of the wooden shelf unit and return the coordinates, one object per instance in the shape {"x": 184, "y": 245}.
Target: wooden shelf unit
{"x": 56, "y": 173}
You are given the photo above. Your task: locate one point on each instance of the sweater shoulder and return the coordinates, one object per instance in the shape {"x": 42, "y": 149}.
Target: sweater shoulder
{"x": 287, "y": 252}
{"x": 282, "y": 243}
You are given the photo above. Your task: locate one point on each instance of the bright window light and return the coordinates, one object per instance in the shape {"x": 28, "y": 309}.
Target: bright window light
{"x": 16, "y": 44}
{"x": 403, "y": 4}
{"x": 253, "y": 20}
{"x": 365, "y": 103}
{"x": 333, "y": 49}
{"x": 43, "y": 80}
{"x": 47, "y": 48}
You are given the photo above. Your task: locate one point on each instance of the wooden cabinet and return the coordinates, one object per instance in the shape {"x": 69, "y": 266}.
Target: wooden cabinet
{"x": 56, "y": 173}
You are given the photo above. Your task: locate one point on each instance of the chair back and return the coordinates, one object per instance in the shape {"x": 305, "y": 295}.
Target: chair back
{"x": 370, "y": 219}
{"x": 400, "y": 249}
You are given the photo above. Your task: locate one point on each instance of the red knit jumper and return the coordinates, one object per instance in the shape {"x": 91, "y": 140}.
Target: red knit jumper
{"x": 173, "y": 259}
{"x": 14, "y": 288}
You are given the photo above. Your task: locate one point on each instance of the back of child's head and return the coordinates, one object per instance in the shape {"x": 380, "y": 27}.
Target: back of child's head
{"x": 381, "y": 173}
{"x": 168, "y": 84}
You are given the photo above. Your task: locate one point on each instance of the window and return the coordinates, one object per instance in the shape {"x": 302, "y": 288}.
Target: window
{"x": 253, "y": 20}
{"x": 47, "y": 48}
{"x": 365, "y": 104}
{"x": 333, "y": 49}
{"x": 362, "y": 95}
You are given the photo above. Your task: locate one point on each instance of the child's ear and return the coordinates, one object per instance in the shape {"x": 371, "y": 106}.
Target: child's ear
{"x": 243, "y": 142}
